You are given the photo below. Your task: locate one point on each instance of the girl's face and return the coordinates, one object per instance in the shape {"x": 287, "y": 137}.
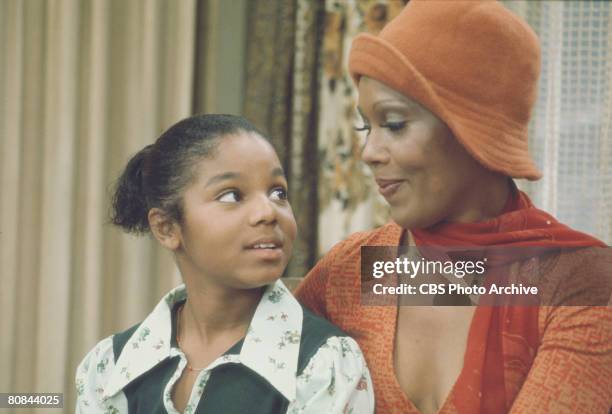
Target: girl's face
{"x": 420, "y": 168}
{"x": 238, "y": 227}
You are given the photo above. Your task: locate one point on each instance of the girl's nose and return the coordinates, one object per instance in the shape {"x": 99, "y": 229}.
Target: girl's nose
{"x": 263, "y": 211}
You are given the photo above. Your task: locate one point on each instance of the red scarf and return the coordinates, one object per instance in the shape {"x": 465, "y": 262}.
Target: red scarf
{"x": 520, "y": 224}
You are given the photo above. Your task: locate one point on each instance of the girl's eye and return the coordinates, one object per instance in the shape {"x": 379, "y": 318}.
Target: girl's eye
{"x": 394, "y": 126}
{"x": 232, "y": 196}
{"x": 279, "y": 194}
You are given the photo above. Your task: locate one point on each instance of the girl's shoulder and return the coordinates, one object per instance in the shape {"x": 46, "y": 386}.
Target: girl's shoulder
{"x": 99, "y": 362}
{"x": 93, "y": 374}
{"x": 101, "y": 375}
{"x": 316, "y": 332}
{"x": 332, "y": 372}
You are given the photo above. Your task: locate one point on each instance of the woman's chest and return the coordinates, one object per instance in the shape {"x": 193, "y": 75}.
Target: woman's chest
{"x": 429, "y": 351}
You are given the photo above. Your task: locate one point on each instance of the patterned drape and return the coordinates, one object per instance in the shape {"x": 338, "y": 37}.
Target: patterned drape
{"x": 281, "y": 98}
{"x": 347, "y": 201}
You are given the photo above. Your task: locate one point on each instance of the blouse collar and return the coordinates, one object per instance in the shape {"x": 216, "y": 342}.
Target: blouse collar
{"x": 270, "y": 347}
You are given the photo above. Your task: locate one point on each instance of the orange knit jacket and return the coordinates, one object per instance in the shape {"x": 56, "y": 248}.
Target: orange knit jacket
{"x": 552, "y": 359}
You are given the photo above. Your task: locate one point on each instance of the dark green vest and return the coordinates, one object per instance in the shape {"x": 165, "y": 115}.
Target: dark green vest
{"x": 231, "y": 388}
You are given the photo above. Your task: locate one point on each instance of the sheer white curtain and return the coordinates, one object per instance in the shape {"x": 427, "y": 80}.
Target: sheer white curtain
{"x": 571, "y": 134}
{"x": 83, "y": 85}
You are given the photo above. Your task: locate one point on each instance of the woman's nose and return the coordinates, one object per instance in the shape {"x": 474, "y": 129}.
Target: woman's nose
{"x": 374, "y": 151}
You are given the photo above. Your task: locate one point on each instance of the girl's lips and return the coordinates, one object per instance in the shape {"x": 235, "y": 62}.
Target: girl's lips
{"x": 266, "y": 247}
{"x": 268, "y": 254}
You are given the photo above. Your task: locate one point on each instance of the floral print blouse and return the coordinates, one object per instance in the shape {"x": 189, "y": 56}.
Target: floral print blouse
{"x": 335, "y": 380}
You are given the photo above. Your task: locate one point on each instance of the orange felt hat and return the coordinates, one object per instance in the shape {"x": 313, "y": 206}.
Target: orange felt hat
{"x": 472, "y": 63}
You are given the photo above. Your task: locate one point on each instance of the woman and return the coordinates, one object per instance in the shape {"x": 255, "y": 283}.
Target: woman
{"x": 445, "y": 93}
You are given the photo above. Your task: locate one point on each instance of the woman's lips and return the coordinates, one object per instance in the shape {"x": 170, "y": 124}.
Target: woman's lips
{"x": 388, "y": 187}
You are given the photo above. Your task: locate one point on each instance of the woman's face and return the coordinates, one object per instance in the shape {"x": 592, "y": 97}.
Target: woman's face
{"x": 420, "y": 168}
{"x": 238, "y": 227}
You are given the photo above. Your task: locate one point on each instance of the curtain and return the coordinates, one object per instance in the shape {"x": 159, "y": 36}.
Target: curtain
{"x": 570, "y": 131}
{"x": 348, "y": 201}
{"x": 281, "y": 78}
{"x": 84, "y": 85}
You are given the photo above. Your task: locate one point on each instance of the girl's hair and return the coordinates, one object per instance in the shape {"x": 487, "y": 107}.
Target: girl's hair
{"x": 157, "y": 175}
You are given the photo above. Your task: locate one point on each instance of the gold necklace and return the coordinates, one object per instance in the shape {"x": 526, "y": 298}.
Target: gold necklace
{"x": 178, "y": 341}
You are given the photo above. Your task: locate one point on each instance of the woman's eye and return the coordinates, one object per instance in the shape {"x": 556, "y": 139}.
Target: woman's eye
{"x": 362, "y": 128}
{"x": 229, "y": 197}
{"x": 394, "y": 126}
{"x": 278, "y": 194}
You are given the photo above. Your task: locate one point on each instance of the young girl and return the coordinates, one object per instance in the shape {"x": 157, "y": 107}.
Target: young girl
{"x": 232, "y": 339}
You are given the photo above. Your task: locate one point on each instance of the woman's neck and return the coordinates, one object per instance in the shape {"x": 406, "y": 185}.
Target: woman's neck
{"x": 484, "y": 200}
